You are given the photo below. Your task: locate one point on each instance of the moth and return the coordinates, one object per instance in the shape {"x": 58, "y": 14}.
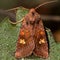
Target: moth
{"x": 32, "y": 37}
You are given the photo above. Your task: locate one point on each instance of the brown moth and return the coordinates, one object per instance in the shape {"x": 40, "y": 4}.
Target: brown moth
{"x": 32, "y": 37}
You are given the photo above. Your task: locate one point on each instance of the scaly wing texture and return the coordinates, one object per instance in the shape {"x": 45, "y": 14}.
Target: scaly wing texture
{"x": 9, "y": 35}
{"x": 25, "y": 43}
{"x": 41, "y": 48}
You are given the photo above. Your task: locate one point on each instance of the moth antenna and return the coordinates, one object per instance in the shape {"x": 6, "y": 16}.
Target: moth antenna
{"x": 13, "y": 9}
{"x": 16, "y": 22}
{"x": 16, "y": 8}
{"x": 45, "y": 4}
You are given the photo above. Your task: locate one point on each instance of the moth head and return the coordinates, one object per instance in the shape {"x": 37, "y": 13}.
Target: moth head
{"x": 32, "y": 17}
{"x": 32, "y": 11}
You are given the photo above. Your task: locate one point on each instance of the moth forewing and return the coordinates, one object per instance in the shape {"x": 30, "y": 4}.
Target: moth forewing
{"x": 25, "y": 43}
{"x": 41, "y": 45}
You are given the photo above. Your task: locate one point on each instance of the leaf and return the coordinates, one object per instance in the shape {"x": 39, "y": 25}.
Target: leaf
{"x": 9, "y": 35}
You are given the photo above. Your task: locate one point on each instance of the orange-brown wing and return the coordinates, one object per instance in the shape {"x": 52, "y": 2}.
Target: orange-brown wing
{"x": 41, "y": 45}
{"x": 25, "y": 43}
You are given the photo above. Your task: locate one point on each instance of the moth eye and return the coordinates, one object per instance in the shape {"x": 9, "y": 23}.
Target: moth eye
{"x": 41, "y": 41}
{"x": 22, "y": 41}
